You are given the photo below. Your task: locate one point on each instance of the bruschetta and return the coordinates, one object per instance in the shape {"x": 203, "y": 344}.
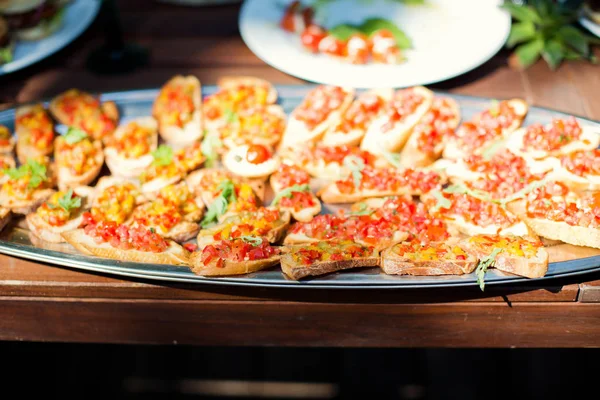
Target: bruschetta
{"x": 113, "y": 200}
{"x": 27, "y": 188}
{"x": 434, "y": 258}
{"x": 389, "y": 132}
{"x": 126, "y": 243}
{"x": 162, "y": 172}
{"x": 354, "y": 121}
{"x": 35, "y": 132}
{"x": 239, "y": 256}
{"x": 81, "y": 110}
{"x": 364, "y": 182}
{"x": 79, "y": 159}
{"x": 322, "y": 258}
{"x": 178, "y": 111}
{"x": 262, "y": 125}
{"x": 129, "y": 151}
{"x": 174, "y": 214}
{"x": 267, "y": 222}
{"x": 578, "y": 170}
{"x": 426, "y": 141}
{"x": 7, "y": 140}
{"x": 554, "y": 212}
{"x": 496, "y": 123}
{"x": 515, "y": 255}
{"x": 319, "y": 110}
{"x": 560, "y": 137}
{"x": 251, "y": 161}
{"x": 62, "y": 212}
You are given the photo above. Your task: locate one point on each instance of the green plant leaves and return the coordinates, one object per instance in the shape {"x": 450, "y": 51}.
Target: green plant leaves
{"x": 574, "y": 38}
{"x": 553, "y": 53}
{"x": 522, "y": 13}
{"x": 344, "y": 31}
{"x": 530, "y": 52}
{"x": 521, "y": 32}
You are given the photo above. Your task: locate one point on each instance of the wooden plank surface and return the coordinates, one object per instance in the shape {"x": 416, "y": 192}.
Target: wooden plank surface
{"x": 206, "y": 42}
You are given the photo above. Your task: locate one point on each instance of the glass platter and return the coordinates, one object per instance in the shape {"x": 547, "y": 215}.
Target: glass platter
{"x": 565, "y": 260}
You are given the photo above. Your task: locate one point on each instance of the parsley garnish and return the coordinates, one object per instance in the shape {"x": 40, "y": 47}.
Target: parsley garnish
{"x": 209, "y": 147}
{"x": 392, "y": 158}
{"x": 489, "y": 152}
{"x": 230, "y": 116}
{"x": 289, "y": 192}
{"x": 219, "y": 206}
{"x": 355, "y": 165}
{"x": 253, "y": 240}
{"x": 35, "y": 170}
{"x": 483, "y": 266}
{"x": 67, "y": 202}
{"x": 163, "y": 155}
{"x": 461, "y": 189}
{"x": 74, "y": 135}
{"x": 363, "y": 209}
{"x": 442, "y": 201}
{"x": 152, "y": 230}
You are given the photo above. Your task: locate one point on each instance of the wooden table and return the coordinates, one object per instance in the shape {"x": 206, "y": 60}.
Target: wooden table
{"x": 45, "y": 303}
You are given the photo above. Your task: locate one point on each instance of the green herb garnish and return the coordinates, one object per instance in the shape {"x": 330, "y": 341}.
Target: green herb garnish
{"x": 74, "y": 135}
{"x": 392, "y": 158}
{"x": 230, "y": 116}
{"x": 67, "y": 202}
{"x": 489, "y": 152}
{"x": 363, "y": 209}
{"x": 461, "y": 189}
{"x": 355, "y": 165}
{"x": 253, "y": 240}
{"x": 35, "y": 170}
{"x": 219, "y": 206}
{"x": 163, "y": 155}
{"x": 441, "y": 201}
{"x": 289, "y": 192}
{"x": 209, "y": 147}
{"x": 483, "y": 266}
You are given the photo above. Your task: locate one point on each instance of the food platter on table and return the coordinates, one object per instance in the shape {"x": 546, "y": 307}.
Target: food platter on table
{"x": 137, "y": 193}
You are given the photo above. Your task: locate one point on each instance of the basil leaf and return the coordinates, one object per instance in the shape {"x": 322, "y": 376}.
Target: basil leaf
{"x": 219, "y": 206}
{"x": 67, "y": 202}
{"x": 372, "y": 25}
{"x": 343, "y": 31}
{"x": 461, "y": 189}
{"x": 253, "y": 240}
{"x": 288, "y": 192}
{"x": 483, "y": 266}
{"x": 523, "y": 192}
{"x": 74, "y": 135}
{"x": 520, "y": 32}
{"x": 230, "y": 116}
{"x": 209, "y": 148}
{"x": 442, "y": 201}
{"x": 522, "y": 13}
{"x": 362, "y": 210}
{"x": 392, "y": 158}
{"x": 163, "y": 155}
{"x": 529, "y": 53}
{"x": 355, "y": 165}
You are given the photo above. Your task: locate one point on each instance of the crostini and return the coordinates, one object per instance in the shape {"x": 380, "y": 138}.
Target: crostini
{"x": 35, "y": 132}
{"x": 319, "y": 110}
{"x": 129, "y": 151}
{"x": 578, "y": 170}
{"x": 62, "y": 212}
{"x": 270, "y": 223}
{"x": 262, "y": 125}
{"x": 79, "y": 159}
{"x": 389, "y": 132}
{"x": 27, "y": 188}
{"x": 113, "y": 200}
{"x": 560, "y": 137}
{"x": 426, "y": 142}
{"x": 322, "y": 258}
{"x": 7, "y": 140}
{"x": 291, "y": 186}
{"x": 515, "y": 255}
{"x": 251, "y": 161}
{"x": 364, "y": 182}
{"x": 554, "y": 212}
{"x": 81, "y": 110}
{"x": 174, "y": 214}
{"x": 239, "y": 256}
{"x": 494, "y": 124}
{"x": 126, "y": 243}
{"x": 434, "y": 258}
{"x": 178, "y": 111}
{"x": 162, "y": 172}
{"x": 354, "y": 121}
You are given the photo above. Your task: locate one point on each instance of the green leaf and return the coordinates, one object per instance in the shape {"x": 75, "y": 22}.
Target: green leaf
{"x": 6, "y": 54}
{"x": 343, "y": 31}
{"x": 574, "y": 38}
{"x": 253, "y": 240}
{"x": 483, "y": 266}
{"x": 372, "y": 25}
{"x": 219, "y": 206}
{"x": 355, "y": 165}
{"x": 491, "y": 150}
{"x": 520, "y": 32}
{"x": 209, "y": 147}
{"x": 523, "y": 192}
{"x": 289, "y": 191}
{"x": 522, "y": 13}
{"x": 363, "y": 209}
{"x": 441, "y": 201}
{"x": 529, "y": 53}
{"x": 163, "y": 155}
{"x": 67, "y": 202}
{"x": 74, "y": 135}
{"x": 553, "y": 53}
{"x": 230, "y": 116}
{"x": 461, "y": 189}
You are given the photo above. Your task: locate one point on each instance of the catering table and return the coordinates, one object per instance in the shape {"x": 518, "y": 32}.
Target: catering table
{"x": 40, "y": 302}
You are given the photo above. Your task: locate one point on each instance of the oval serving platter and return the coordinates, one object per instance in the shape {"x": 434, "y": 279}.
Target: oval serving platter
{"x": 565, "y": 260}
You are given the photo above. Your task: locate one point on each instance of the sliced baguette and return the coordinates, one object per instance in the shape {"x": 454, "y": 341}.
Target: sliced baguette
{"x": 230, "y": 267}
{"x": 378, "y": 141}
{"x": 49, "y": 233}
{"x": 174, "y": 255}
{"x": 232, "y": 82}
{"x": 26, "y": 149}
{"x": 24, "y": 207}
{"x": 66, "y": 179}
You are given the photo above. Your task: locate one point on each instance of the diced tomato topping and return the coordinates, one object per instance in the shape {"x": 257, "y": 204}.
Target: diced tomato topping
{"x": 333, "y": 46}
{"x": 318, "y": 105}
{"x": 84, "y": 111}
{"x": 38, "y": 124}
{"x": 384, "y": 48}
{"x": 417, "y": 250}
{"x": 335, "y": 154}
{"x": 125, "y": 237}
{"x": 437, "y": 125}
{"x": 404, "y": 103}
{"x": 237, "y": 250}
{"x": 298, "y": 201}
{"x": 582, "y": 163}
{"x": 358, "y": 49}
{"x": 5, "y": 136}
{"x": 361, "y": 112}
{"x": 391, "y": 179}
{"x": 554, "y": 136}
{"x": 174, "y": 105}
{"x": 330, "y": 251}
{"x": 311, "y": 37}
{"x": 290, "y": 175}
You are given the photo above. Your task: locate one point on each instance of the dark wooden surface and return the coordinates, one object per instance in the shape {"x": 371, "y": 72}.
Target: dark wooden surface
{"x": 45, "y": 303}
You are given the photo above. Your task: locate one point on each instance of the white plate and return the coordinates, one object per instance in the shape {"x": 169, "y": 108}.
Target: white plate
{"x": 590, "y": 25}
{"x": 450, "y": 37}
{"x": 78, "y": 16}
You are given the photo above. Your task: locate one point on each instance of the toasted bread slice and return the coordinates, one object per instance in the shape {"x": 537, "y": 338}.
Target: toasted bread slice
{"x": 232, "y": 82}
{"x": 298, "y": 132}
{"x": 387, "y": 135}
{"x": 517, "y": 256}
{"x": 323, "y": 258}
{"x": 122, "y": 166}
{"x": 150, "y": 188}
{"x": 436, "y": 258}
{"x": 380, "y": 245}
{"x": 67, "y": 179}
{"x": 24, "y": 207}
{"x": 4, "y": 217}
{"x": 304, "y": 212}
{"x": 49, "y": 233}
{"x": 174, "y": 255}
{"x": 441, "y": 120}
{"x": 230, "y": 268}
{"x": 262, "y": 125}
{"x": 579, "y": 170}
{"x": 337, "y": 135}
{"x": 455, "y": 149}
{"x": 25, "y": 147}
{"x": 192, "y": 131}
